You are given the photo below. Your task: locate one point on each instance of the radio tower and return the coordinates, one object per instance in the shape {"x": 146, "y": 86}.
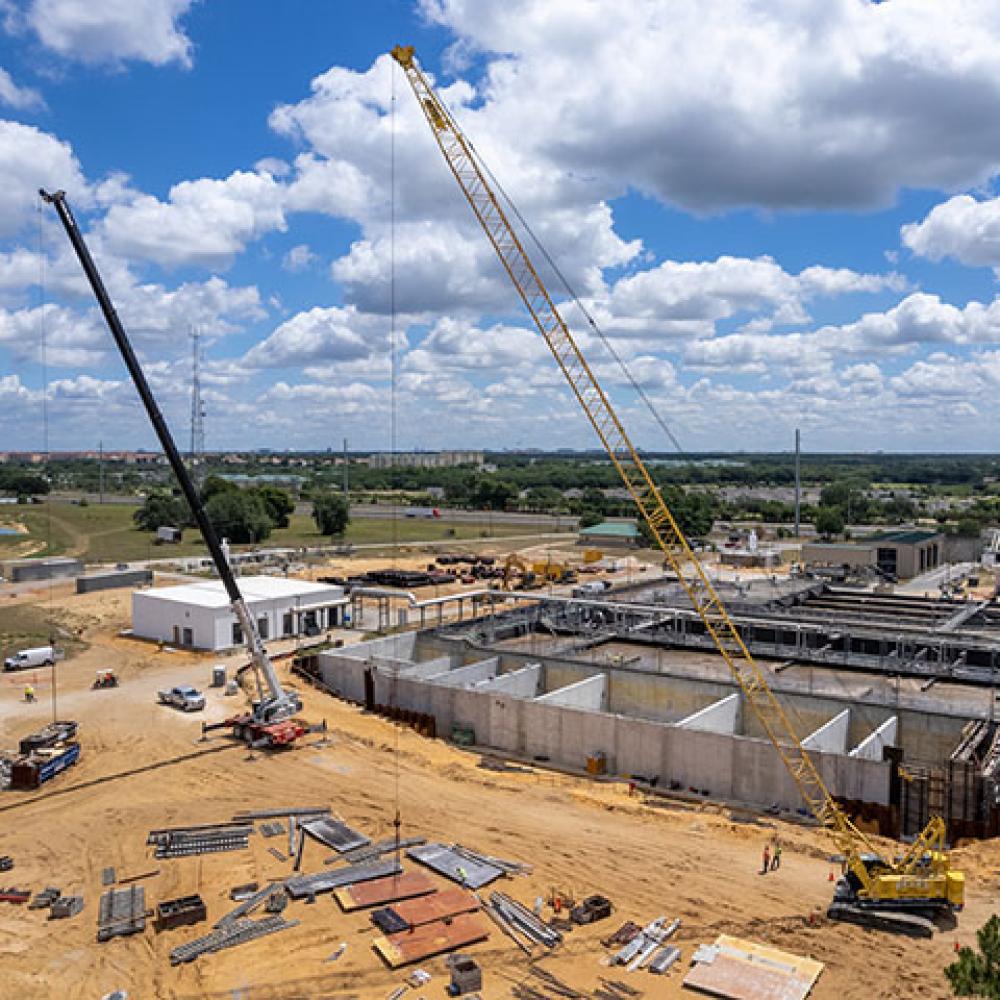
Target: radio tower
{"x": 197, "y": 452}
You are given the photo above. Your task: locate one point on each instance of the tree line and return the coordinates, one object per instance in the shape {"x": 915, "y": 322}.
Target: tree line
{"x": 243, "y": 515}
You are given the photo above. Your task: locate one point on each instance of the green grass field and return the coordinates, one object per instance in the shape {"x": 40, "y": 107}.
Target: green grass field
{"x": 24, "y": 626}
{"x": 105, "y": 533}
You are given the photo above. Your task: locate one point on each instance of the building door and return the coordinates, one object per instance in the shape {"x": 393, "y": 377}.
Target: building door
{"x": 369, "y": 689}
{"x": 187, "y": 637}
{"x": 177, "y": 635}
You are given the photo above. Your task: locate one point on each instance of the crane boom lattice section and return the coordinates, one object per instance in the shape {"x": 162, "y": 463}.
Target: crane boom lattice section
{"x": 472, "y": 180}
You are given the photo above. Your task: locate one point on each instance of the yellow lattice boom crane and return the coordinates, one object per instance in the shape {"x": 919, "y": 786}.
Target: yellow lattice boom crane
{"x": 896, "y": 893}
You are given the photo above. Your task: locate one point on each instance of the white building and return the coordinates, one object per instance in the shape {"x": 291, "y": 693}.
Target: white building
{"x": 198, "y": 615}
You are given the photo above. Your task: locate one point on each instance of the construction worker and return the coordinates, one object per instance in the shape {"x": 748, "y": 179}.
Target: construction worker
{"x": 29, "y": 693}
{"x": 776, "y": 860}
{"x": 767, "y": 860}
{"x": 462, "y": 874}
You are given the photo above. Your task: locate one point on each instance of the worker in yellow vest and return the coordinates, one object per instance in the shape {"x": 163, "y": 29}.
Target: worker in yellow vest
{"x": 29, "y": 693}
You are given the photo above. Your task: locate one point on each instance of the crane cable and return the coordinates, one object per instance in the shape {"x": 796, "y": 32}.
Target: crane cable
{"x": 393, "y": 424}
{"x": 571, "y": 292}
{"x": 43, "y": 360}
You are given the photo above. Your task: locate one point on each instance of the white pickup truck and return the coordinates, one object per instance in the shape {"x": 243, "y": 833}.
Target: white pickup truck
{"x": 40, "y": 656}
{"x": 184, "y": 697}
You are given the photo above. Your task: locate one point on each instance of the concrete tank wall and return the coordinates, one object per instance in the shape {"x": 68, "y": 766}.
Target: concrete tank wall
{"x": 736, "y": 767}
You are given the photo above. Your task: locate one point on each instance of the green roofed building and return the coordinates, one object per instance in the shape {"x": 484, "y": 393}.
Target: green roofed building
{"x": 624, "y": 534}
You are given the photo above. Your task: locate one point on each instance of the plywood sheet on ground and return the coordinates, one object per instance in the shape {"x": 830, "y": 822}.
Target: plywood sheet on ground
{"x": 449, "y": 903}
{"x": 384, "y": 890}
{"x": 431, "y": 939}
{"x": 744, "y": 970}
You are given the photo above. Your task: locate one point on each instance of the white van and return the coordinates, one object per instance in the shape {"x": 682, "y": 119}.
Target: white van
{"x": 40, "y": 656}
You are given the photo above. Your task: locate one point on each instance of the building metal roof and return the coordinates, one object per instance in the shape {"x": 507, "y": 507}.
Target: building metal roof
{"x": 911, "y": 536}
{"x": 212, "y": 594}
{"x": 615, "y": 529}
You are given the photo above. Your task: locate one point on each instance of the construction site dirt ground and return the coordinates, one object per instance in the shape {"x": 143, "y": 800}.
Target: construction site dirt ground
{"x": 143, "y": 767}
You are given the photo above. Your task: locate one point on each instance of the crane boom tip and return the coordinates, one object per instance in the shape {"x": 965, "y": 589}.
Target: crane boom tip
{"x": 403, "y": 54}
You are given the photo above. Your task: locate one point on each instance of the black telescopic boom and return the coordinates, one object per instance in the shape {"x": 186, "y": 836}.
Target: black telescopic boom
{"x": 58, "y": 198}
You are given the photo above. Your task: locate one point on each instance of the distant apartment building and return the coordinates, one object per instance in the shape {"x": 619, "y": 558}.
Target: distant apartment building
{"x": 425, "y": 459}
{"x": 39, "y": 457}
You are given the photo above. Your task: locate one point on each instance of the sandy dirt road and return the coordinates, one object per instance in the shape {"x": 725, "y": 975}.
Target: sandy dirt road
{"x": 143, "y": 766}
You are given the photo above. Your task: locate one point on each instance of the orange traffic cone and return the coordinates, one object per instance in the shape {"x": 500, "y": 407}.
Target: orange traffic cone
{"x": 958, "y": 947}
{"x": 830, "y": 879}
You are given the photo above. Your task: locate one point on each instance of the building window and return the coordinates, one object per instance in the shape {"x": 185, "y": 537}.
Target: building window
{"x": 237, "y": 634}
{"x": 263, "y": 629}
{"x": 288, "y": 624}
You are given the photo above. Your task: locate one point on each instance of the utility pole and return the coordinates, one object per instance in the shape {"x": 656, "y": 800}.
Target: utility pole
{"x": 347, "y": 482}
{"x": 798, "y": 482}
{"x": 100, "y": 472}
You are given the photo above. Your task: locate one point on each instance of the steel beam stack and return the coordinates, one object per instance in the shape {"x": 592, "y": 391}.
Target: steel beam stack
{"x": 229, "y": 936}
{"x": 121, "y": 912}
{"x": 521, "y": 919}
{"x": 182, "y": 842}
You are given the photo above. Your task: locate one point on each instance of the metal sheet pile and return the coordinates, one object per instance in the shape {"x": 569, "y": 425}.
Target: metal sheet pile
{"x": 334, "y": 834}
{"x": 249, "y": 904}
{"x": 303, "y": 886}
{"x": 460, "y": 865}
{"x": 304, "y": 811}
{"x": 519, "y": 919}
{"x": 232, "y": 934}
{"x": 186, "y": 841}
{"x": 121, "y": 912}
{"x": 373, "y": 851}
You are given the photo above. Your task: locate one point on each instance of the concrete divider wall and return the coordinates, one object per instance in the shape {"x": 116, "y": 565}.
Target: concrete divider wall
{"x": 525, "y": 682}
{"x": 832, "y": 736}
{"x": 722, "y": 716}
{"x": 460, "y": 676}
{"x": 872, "y": 747}
{"x": 429, "y": 668}
{"x": 590, "y": 693}
{"x": 652, "y": 696}
{"x": 402, "y": 646}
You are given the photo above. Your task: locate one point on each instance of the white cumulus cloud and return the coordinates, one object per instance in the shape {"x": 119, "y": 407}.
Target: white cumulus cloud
{"x": 204, "y": 222}
{"x": 19, "y": 98}
{"x": 963, "y": 227}
{"x": 113, "y": 31}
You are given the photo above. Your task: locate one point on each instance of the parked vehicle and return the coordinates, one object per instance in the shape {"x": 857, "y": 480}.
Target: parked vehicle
{"x": 40, "y": 656}
{"x": 423, "y": 512}
{"x": 184, "y": 697}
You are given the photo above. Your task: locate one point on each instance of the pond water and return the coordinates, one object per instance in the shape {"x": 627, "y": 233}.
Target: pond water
{"x": 10, "y": 531}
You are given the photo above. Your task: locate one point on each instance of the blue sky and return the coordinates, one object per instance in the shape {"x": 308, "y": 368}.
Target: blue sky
{"x": 781, "y": 215}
